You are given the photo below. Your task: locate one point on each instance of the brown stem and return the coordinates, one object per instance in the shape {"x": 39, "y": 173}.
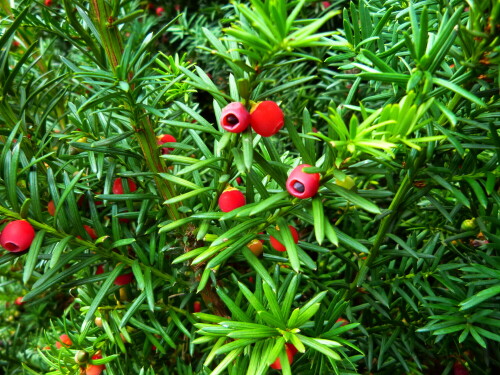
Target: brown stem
{"x": 146, "y": 137}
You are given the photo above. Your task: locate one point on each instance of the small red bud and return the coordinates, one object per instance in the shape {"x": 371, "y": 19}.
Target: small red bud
{"x": 19, "y": 301}
{"x": 301, "y": 184}
{"x": 235, "y": 118}
{"x": 196, "y": 306}
{"x": 164, "y": 139}
{"x": 231, "y": 199}
{"x": 17, "y": 236}
{"x": 278, "y": 246}
{"x": 48, "y": 3}
{"x": 266, "y": 118}
{"x": 118, "y": 186}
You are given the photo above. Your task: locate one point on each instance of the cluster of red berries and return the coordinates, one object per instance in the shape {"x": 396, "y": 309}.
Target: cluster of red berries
{"x": 159, "y": 10}
{"x": 117, "y": 188}
{"x": 266, "y": 118}
{"x": 81, "y": 357}
{"x": 18, "y": 235}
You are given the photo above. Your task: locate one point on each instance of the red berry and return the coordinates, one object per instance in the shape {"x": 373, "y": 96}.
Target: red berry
{"x": 17, "y": 236}
{"x": 95, "y": 369}
{"x": 278, "y": 246}
{"x": 266, "y": 118}
{"x": 239, "y": 180}
{"x": 48, "y": 3}
{"x": 124, "y": 279}
{"x": 51, "y": 208}
{"x": 160, "y": 11}
{"x": 292, "y": 348}
{"x": 196, "y": 306}
{"x": 326, "y": 4}
{"x": 99, "y": 203}
{"x": 19, "y": 301}
{"x": 90, "y": 231}
{"x": 301, "y": 184}
{"x": 100, "y": 269}
{"x": 118, "y": 186}
{"x": 64, "y": 340}
{"x": 235, "y": 118}
{"x": 163, "y": 139}
{"x": 80, "y": 201}
{"x": 277, "y": 364}
{"x": 231, "y": 199}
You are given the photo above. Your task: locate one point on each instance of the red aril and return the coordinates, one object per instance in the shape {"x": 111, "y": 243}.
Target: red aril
{"x": 118, "y": 186}
{"x": 278, "y": 246}
{"x": 230, "y": 199}
{"x": 17, "y": 236}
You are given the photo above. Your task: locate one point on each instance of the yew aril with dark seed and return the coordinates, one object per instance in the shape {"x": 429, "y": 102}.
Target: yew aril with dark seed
{"x": 301, "y": 184}
{"x": 234, "y": 118}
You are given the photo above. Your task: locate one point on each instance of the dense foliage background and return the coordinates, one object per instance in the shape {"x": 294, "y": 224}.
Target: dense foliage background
{"x": 395, "y": 103}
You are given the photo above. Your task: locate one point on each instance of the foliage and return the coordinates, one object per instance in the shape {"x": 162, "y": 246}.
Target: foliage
{"x": 395, "y": 104}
